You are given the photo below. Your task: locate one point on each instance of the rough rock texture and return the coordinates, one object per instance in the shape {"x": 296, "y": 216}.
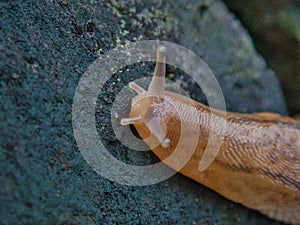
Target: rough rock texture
{"x": 274, "y": 26}
{"x": 45, "y": 48}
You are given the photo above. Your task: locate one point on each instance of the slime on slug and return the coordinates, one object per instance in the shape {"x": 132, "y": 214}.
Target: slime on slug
{"x": 258, "y": 163}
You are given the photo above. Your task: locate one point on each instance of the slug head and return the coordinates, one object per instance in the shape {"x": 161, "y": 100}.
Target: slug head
{"x": 153, "y": 110}
{"x": 144, "y": 114}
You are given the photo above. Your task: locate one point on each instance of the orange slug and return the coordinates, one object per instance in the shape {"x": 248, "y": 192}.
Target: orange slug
{"x": 257, "y": 164}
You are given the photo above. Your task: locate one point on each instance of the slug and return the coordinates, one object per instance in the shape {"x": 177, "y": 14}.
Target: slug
{"x": 257, "y": 164}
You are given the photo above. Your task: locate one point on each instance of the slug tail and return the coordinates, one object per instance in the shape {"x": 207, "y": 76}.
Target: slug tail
{"x": 158, "y": 83}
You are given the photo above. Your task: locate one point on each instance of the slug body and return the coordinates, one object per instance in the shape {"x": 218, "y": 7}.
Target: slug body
{"x": 258, "y": 160}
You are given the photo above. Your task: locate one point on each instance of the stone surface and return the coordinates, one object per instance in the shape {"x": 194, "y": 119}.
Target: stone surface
{"x": 46, "y": 46}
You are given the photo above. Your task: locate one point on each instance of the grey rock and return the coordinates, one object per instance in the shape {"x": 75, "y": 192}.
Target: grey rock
{"x": 50, "y": 44}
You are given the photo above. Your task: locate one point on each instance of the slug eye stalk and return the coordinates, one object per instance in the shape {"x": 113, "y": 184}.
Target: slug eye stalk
{"x": 158, "y": 83}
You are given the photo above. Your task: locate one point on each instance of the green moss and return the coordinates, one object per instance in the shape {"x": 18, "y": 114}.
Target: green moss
{"x": 290, "y": 20}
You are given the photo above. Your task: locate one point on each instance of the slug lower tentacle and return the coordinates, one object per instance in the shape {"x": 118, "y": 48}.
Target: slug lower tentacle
{"x": 258, "y": 163}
